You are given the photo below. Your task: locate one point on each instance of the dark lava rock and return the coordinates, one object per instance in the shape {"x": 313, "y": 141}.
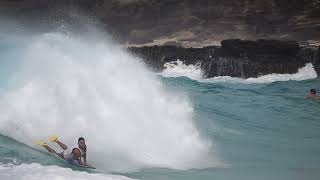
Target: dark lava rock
{"x": 317, "y": 61}
{"x": 156, "y": 56}
{"x": 259, "y": 48}
{"x": 236, "y": 58}
{"x": 137, "y": 22}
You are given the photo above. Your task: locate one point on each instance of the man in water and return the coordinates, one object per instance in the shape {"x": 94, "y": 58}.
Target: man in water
{"x": 313, "y": 94}
{"x": 72, "y": 155}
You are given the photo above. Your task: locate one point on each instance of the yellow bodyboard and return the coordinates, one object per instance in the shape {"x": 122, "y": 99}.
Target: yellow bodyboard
{"x": 41, "y": 143}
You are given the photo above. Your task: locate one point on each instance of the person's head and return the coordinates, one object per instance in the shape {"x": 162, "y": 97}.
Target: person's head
{"x": 76, "y": 152}
{"x": 81, "y": 142}
{"x": 313, "y": 91}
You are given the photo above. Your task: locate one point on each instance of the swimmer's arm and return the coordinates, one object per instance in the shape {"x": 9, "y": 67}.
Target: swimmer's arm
{"x": 313, "y": 97}
{"x": 85, "y": 157}
{"x": 86, "y": 165}
{"x": 85, "y": 154}
{"x": 82, "y": 163}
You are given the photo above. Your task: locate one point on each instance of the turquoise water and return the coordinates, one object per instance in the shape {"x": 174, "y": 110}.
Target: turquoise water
{"x": 244, "y": 130}
{"x": 263, "y": 131}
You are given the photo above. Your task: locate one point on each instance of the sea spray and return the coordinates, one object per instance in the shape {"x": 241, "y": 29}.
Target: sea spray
{"x": 73, "y": 87}
{"x": 178, "y": 69}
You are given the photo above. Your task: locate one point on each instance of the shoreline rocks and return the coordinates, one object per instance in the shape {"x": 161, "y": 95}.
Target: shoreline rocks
{"x": 236, "y": 58}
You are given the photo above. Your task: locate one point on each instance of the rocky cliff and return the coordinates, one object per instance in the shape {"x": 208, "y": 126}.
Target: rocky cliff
{"x": 182, "y": 22}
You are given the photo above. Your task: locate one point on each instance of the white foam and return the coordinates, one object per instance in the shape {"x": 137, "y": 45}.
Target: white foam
{"x": 303, "y": 73}
{"x": 179, "y": 69}
{"x": 38, "y": 172}
{"x": 72, "y": 87}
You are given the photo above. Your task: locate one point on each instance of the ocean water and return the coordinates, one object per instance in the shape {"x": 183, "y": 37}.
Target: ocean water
{"x": 142, "y": 125}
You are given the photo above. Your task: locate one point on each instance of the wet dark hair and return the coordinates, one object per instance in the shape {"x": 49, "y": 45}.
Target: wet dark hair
{"x": 313, "y": 91}
{"x": 80, "y": 138}
{"x": 75, "y": 149}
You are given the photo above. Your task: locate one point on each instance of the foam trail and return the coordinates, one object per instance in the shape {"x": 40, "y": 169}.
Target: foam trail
{"x": 39, "y": 172}
{"x": 178, "y": 69}
{"x": 72, "y": 87}
{"x": 304, "y": 73}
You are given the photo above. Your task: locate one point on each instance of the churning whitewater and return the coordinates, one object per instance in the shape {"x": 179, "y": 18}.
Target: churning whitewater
{"x": 70, "y": 86}
{"x": 38, "y": 172}
{"x": 179, "y": 69}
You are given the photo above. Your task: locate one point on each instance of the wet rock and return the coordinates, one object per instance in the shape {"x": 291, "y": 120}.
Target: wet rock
{"x": 236, "y": 58}
{"x": 156, "y": 56}
{"x": 317, "y": 61}
{"x": 210, "y": 20}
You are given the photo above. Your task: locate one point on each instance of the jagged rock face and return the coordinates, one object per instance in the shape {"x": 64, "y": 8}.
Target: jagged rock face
{"x": 236, "y": 58}
{"x": 207, "y": 22}
{"x": 245, "y": 59}
{"x": 317, "y": 61}
{"x": 156, "y": 56}
{"x": 188, "y": 22}
{"x": 260, "y": 49}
